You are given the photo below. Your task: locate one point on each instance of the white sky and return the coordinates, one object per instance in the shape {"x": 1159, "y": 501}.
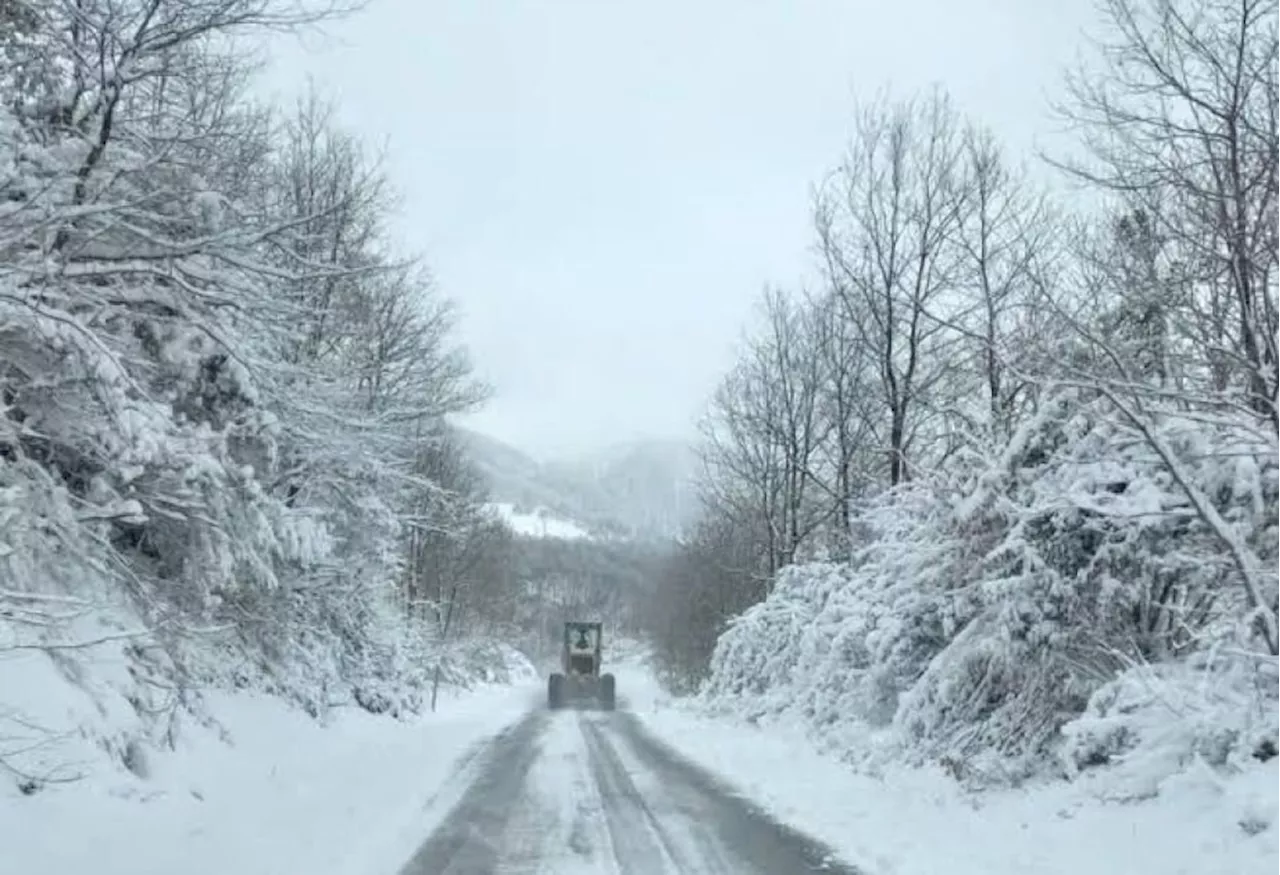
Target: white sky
{"x": 605, "y": 186}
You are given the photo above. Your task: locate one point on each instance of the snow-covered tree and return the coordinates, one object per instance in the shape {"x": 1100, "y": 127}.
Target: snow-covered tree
{"x": 217, "y": 381}
{"x": 1074, "y": 420}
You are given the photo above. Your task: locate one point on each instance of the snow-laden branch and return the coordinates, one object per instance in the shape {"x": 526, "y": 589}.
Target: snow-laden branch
{"x": 1253, "y": 574}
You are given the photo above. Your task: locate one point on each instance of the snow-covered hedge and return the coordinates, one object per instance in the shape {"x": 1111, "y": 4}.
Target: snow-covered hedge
{"x": 981, "y": 613}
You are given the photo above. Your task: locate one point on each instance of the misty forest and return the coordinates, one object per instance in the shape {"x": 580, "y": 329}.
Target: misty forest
{"x": 995, "y": 493}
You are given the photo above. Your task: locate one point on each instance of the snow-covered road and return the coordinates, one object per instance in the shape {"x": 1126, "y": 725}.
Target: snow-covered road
{"x": 591, "y": 792}
{"x": 495, "y": 783}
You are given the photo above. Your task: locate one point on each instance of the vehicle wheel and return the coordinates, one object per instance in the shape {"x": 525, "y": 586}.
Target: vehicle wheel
{"x": 608, "y": 688}
{"x": 555, "y": 691}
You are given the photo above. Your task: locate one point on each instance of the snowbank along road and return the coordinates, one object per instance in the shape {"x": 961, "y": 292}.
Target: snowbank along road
{"x": 578, "y": 792}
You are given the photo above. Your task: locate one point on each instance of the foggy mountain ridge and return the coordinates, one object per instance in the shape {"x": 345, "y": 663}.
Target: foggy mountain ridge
{"x": 640, "y": 489}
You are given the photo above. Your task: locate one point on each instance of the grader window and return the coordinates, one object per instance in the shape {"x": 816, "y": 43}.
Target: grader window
{"x": 582, "y": 639}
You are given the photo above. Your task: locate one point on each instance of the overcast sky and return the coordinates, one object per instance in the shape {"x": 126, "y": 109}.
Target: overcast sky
{"x": 605, "y": 186}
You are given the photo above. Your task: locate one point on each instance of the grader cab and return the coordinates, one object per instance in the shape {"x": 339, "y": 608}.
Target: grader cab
{"x": 580, "y": 681}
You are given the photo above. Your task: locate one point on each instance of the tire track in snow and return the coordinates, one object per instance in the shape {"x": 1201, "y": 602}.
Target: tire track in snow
{"x": 590, "y": 793}
{"x": 469, "y": 840}
{"x": 735, "y": 834}
{"x": 641, "y": 846}
{"x": 557, "y": 826}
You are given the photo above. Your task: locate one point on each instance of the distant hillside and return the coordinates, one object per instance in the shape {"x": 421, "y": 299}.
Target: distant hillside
{"x": 539, "y": 523}
{"x": 647, "y": 486}
{"x": 640, "y": 489}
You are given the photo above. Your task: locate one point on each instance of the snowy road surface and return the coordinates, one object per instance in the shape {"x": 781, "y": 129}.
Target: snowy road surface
{"x": 578, "y": 792}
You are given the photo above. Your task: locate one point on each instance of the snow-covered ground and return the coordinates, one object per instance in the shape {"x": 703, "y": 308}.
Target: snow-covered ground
{"x": 540, "y": 523}
{"x": 280, "y": 792}
{"x": 355, "y": 797}
{"x": 920, "y": 822}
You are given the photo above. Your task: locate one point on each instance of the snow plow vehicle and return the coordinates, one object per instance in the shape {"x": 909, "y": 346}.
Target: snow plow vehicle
{"x": 580, "y": 680}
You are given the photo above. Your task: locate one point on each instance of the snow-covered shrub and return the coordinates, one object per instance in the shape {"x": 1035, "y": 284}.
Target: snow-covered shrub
{"x": 977, "y": 618}
{"x": 841, "y": 640}
{"x": 1100, "y": 559}
{"x": 1152, "y": 721}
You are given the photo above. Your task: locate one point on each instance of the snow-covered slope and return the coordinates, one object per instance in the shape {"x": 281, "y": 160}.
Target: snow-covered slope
{"x": 640, "y": 489}
{"x": 537, "y": 523}
{"x": 257, "y": 788}
{"x": 646, "y": 485}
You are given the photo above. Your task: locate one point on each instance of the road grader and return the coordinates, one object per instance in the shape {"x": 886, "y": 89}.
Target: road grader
{"x": 580, "y": 681}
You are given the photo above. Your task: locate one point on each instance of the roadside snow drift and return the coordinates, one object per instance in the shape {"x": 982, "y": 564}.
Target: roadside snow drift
{"x": 261, "y": 787}
{"x": 902, "y": 820}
